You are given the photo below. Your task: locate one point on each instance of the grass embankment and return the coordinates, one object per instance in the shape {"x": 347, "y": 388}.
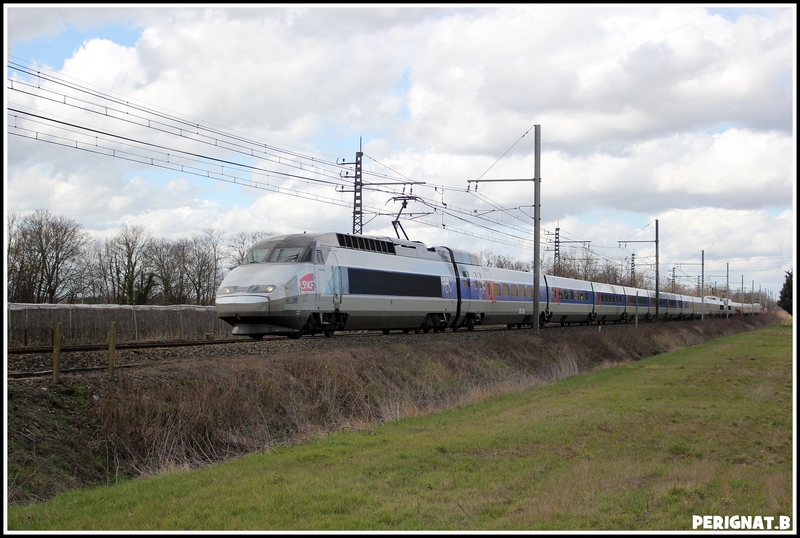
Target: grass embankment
{"x": 706, "y": 430}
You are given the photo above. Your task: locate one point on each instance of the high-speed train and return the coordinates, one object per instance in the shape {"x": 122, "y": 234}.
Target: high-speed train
{"x": 301, "y": 284}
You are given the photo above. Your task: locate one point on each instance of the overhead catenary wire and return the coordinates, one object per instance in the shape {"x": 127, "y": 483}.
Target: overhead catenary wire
{"x": 103, "y": 141}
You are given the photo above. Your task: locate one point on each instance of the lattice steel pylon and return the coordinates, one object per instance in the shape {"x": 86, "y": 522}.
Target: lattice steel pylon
{"x": 358, "y": 206}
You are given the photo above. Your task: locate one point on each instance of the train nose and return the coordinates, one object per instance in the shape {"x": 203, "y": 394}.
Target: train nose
{"x": 243, "y": 305}
{"x": 252, "y": 290}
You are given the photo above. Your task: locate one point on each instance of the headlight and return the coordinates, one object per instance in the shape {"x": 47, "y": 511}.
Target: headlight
{"x": 261, "y": 289}
{"x": 226, "y": 290}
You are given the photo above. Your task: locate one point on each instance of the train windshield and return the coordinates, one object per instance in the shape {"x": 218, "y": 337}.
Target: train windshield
{"x": 288, "y": 249}
{"x": 286, "y": 254}
{"x": 256, "y": 255}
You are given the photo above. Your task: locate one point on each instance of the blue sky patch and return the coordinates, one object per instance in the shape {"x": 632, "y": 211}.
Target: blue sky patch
{"x": 52, "y": 51}
{"x": 719, "y": 128}
{"x": 733, "y": 13}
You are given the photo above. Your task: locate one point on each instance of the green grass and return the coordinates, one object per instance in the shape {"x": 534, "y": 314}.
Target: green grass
{"x": 642, "y": 446}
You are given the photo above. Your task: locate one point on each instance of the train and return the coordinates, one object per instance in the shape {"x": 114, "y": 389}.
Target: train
{"x": 304, "y": 284}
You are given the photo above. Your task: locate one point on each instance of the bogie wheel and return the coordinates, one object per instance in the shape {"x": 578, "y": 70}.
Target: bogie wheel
{"x": 406, "y": 331}
{"x": 386, "y": 331}
{"x": 257, "y": 336}
{"x": 329, "y": 333}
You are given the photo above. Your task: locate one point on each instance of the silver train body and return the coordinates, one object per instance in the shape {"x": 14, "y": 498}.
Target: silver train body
{"x": 308, "y": 283}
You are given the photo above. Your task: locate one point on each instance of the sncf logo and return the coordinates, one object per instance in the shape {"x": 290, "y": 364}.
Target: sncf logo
{"x": 307, "y": 283}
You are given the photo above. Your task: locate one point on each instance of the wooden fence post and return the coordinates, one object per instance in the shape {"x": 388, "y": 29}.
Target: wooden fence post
{"x": 112, "y": 341}
{"x": 56, "y": 351}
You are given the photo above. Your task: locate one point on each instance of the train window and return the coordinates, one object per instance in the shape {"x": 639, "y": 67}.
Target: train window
{"x": 522, "y": 291}
{"x": 285, "y": 255}
{"x": 256, "y": 255}
{"x": 530, "y": 291}
{"x": 505, "y": 290}
{"x": 514, "y": 292}
{"x": 571, "y": 295}
{"x": 465, "y": 273}
{"x": 497, "y": 290}
{"x": 466, "y": 283}
{"x": 319, "y": 257}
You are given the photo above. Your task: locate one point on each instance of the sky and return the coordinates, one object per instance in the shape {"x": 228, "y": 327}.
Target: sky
{"x": 239, "y": 118}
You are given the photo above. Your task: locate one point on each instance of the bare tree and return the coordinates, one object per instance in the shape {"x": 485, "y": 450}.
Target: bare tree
{"x": 200, "y": 266}
{"x": 121, "y": 271}
{"x": 43, "y": 257}
{"x": 215, "y": 239}
{"x": 131, "y": 244}
{"x": 21, "y": 263}
{"x": 587, "y": 265}
{"x": 168, "y": 261}
{"x": 568, "y": 265}
{"x": 610, "y": 272}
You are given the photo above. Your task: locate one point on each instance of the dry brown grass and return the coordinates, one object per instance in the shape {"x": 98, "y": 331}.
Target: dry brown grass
{"x": 216, "y": 409}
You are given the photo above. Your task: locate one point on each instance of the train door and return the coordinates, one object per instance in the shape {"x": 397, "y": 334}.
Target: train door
{"x": 323, "y": 299}
{"x": 336, "y": 280}
{"x": 329, "y": 284}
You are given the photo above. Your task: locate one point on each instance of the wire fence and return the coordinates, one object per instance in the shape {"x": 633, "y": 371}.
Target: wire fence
{"x": 32, "y": 324}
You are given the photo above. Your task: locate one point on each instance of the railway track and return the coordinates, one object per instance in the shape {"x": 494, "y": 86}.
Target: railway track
{"x": 184, "y": 343}
{"x": 30, "y": 363}
{"x": 101, "y": 347}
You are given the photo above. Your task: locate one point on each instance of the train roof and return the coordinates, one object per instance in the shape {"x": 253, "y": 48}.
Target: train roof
{"x": 370, "y": 243}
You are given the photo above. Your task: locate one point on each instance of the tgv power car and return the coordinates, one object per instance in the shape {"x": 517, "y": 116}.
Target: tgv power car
{"x": 307, "y": 283}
